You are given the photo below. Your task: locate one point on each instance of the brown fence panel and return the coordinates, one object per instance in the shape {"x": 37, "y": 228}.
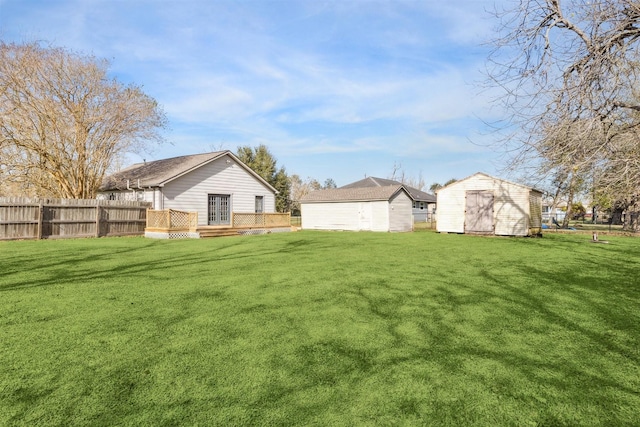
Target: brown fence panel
{"x": 122, "y": 221}
{"x": 25, "y": 218}
{"x": 19, "y": 219}
{"x": 63, "y": 221}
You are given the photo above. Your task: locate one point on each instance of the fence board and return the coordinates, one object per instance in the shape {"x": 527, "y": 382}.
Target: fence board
{"x": 27, "y": 218}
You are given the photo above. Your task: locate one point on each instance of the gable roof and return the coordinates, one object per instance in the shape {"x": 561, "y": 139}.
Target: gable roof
{"x": 364, "y": 194}
{"x": 160, "y": 172}
{"x": 416, "y": 195}
{"x": 490, "y": 177}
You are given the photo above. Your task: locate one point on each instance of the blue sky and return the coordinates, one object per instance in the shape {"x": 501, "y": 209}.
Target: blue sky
{"x": 335, "y": 89}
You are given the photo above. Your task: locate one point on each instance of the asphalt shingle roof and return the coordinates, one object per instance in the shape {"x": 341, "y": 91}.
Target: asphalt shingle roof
{"x": 153, "y": 174}
{"x": 364, "y": 194}
{"x": 417, "y": 195}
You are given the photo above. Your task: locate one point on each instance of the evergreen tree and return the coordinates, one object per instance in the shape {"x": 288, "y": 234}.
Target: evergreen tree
{"x": 264, "y": 164}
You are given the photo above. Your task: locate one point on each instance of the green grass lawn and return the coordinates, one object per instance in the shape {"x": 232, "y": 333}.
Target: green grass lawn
{"x": 313, "y": 328}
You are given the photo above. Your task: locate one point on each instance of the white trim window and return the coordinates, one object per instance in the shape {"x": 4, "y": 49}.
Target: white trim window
{"x": 259, "y": 204}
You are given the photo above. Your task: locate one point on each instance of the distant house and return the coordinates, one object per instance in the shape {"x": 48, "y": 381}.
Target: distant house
{"x": 385, "y": 208}
{"x": 212, "y": 184}
{"x": 424, "y": 204}
{"x": 550, "y": 212}
{"x": 482, "y": 204}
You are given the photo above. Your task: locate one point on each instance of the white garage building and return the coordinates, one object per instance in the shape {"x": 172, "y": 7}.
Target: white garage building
{"x": 387, "y": 208}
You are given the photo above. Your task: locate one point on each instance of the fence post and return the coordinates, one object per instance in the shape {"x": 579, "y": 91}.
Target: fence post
{"x": 40, "y": 214}
{"x": 98, "y": 219}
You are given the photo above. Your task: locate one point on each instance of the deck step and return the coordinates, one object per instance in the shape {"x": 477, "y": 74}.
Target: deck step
{"x": 220, "y": 232}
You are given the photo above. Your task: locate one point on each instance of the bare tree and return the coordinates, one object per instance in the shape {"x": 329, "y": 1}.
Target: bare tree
{"x": 569, "y": 72}
{"x": 63, "y": 120}
{"x": 300, "y": 188}
{"x": 398, "y": 174}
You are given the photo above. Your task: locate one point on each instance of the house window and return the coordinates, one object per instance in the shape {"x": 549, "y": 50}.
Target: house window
{"x": 259, "y": 204}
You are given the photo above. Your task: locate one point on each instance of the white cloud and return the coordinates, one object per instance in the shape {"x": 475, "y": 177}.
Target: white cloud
{"x": 303, "y": 77}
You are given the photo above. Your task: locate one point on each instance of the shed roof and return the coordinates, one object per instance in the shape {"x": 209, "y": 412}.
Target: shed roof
{"x": 364, "y": 194}
{"x": 160, "y": 172}
{"x": 490, "y": 177}
{"x": 417, "y": 195}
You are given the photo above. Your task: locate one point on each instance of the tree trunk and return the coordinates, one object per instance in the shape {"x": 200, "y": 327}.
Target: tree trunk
{"x": 616, "y": 216}
{"x": 567, "y": 217}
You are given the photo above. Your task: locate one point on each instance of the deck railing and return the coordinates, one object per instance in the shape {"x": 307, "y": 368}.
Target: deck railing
{"x": 171, "y": 220}
{"x": 261, "y": 220}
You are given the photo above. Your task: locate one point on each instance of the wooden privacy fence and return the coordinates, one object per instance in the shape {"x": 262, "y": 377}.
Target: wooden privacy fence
{"x": 27, "y": 218}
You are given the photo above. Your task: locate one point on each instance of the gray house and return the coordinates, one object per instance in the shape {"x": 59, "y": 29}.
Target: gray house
{"x": 424, "y": 204}
{"x": 380, "y": 208}
{"x": 212, "y": 184}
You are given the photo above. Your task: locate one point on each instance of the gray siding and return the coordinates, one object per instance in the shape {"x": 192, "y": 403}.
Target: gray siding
{"x": 190, "y": 191}
{"x": 400, "y": 213}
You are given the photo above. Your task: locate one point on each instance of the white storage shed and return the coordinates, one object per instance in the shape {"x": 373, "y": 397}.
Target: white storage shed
{"x": 387, "y": 208}
{"x": 482, "y": 204}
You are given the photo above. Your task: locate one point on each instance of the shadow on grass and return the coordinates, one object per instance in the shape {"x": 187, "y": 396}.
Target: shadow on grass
{"x": 543, "y": 343}
{"x": 92, "y": 262}
{"x": 315, "y": 331}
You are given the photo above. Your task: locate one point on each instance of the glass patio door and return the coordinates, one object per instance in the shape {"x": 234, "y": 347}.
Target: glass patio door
{"x": 219, "y": 209}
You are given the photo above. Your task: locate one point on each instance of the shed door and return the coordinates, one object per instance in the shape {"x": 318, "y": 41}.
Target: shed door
{"x": 479, "y": 212}
{"x": 219, "y": 209}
